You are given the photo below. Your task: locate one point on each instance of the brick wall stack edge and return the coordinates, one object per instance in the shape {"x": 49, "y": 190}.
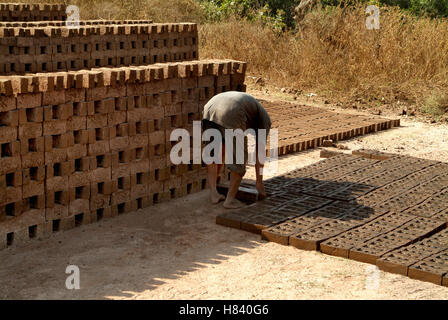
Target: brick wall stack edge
{"x": 80, "y": 146}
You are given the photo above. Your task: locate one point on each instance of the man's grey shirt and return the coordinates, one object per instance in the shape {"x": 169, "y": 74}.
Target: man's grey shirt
{"x": 237, "y": 110}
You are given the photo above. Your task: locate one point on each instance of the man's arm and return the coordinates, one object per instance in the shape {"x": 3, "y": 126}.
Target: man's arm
{"x": 259, "y": 170}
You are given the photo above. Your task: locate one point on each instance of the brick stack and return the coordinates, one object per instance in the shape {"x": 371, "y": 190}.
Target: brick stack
{"x": 32, "y": 12}
{"x": 55, "y": 48}
{"x": 79, "y": 146}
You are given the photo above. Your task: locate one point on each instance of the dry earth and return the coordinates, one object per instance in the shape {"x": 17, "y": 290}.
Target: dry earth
{"x": 176, "y": 251}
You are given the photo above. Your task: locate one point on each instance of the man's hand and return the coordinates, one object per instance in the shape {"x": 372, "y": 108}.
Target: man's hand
{"x": 261, "y": 193}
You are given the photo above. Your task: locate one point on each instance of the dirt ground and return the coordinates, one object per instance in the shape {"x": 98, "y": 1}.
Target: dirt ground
{"x": 176, "y": 251}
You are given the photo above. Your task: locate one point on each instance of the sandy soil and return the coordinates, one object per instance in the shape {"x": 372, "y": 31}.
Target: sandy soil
{"x": 176, "y": 251}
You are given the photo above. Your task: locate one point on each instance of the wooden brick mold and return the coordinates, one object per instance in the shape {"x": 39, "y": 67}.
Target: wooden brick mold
{"x": 27, "y": 50}
{"x": 32, "y": 12}
{"x": 80, "y": 146}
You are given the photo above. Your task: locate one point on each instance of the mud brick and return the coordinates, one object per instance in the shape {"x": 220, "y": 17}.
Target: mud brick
{"x": 427, "y": 271}
{"x": 395, "y": 263}
{"x": 97, "y": 121}
{"x": 10, "y": 157}
{"x": 29, "y": 100}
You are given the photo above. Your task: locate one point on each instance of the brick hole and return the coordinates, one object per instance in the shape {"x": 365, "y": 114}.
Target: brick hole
{"x": 98, "y": 134}
{"x": 140, "y": 203}
{"x": 108, "y": 45}
{"x": 137, "y": 102}
{"x": 194, "y": 54}
{"x": 121, "y": 183}
{"x": 172, "y": 193}
{"x": 133, "y": 44}
{"x": 139, "y": 153}
{"x": 59, "y": 48}
{"x": 165, "y": 58}
{"x": 13, "y": 67}
{"x": 158, "y": 150}
{"x": 97, "y": 47}
{"x": 165, "y": 42}
{"x": 144, "y": 59}
{"x": 27, "y": 67}
{"x": 76, "y": 109}
{"x": 57, "y": 169}
{"x": 44, "y": 66}
{"x": 56, "y": 224}
{"x": 97, "y": 105}
{"x": 78, "y": 136}
{"x": 121, "y": 156}
{"x": 133, "y": 60}
{"x": 193, "y": 40}
{"x": 190, "y": 167}
{"x": 78, "y": 164}
{"x": 11, "y": 49}
{"x": 32, "y": 202}
{"x": 189, "y": 187}
{"x": 99, "y": 214}
{"x": 86, "y": 48}
{"x": 78, "y": 192}
{"x": 155, "y": 198}
{"x": 185, "y": 55}
{"x": 9, "y": 239}
{"x": 190, "y": 117}
{"x": 144, "y": 44}
{"x": 97, "y": 62}
{"x": 33, "y": 173}
{"x": 43, "y": 50}
{"x": 86, "y": 63}
{"x": 32, "y": 231}
{"x": 109, "y": 61}
{"x": 156, "y": 43}
{"x": 72, "y": 64}
{"x": 175, "y": 42}
{"x": 139, "y": 127}
{"x": 100, "y": 161}
{"x": 4, "y": 119}
{"x": 10, "y": 209}
{"x": 79, "y": 218}
{"x": 157, "y": 125}
{"x": 26, "y": 50}
{"x": 58, "y": 197}
{"x": 6, "y": 150}
{"x": 156, "y": 175}
{"x": 121, "y": 60}
{"x": 101, "y": 187}
{"x": 155, "y": 58}
{"x": 73, "y": 48}
{"x": 10, "y": 179}
{"x": 59, "y": 65}
{"x": 54, "y": 110}
{"x": 120, "y": 208}
{"x": 173, "y": 170}
{"x": 139, "y": 178}
{"x": 121, "y": 45}
{"x": 203, "y": 184}
{"x": 29, "y": 114}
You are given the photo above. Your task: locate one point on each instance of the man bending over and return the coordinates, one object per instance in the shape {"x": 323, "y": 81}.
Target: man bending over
{"x": 235, "y": 110}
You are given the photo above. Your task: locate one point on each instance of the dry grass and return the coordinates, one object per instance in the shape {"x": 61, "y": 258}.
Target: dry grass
{"x": 337, "y": 55}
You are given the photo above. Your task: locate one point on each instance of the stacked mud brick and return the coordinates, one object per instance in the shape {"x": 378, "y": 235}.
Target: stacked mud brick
{"x": 58, "y": 48}
{"x": 77, "y": 146}
{"x": 379, "y": 208}
{"x": 32, "y": 12}
{"x": 40, "y": 24}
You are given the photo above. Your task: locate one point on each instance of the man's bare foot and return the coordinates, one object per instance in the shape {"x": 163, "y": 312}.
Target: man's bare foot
{"x": 215, "y": 197}
{"x": 233, "y": 204}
